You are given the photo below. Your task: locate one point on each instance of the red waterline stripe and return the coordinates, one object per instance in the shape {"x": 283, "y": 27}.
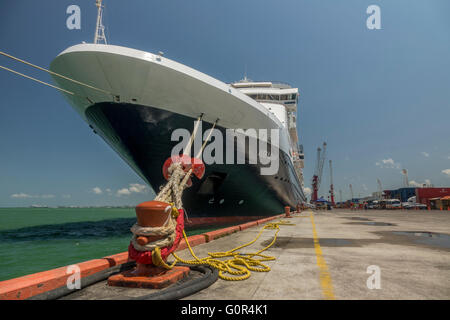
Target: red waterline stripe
{"x": 31, "y": 285}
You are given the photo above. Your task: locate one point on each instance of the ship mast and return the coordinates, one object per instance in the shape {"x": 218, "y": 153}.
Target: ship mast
{"x": 100, "y": 28}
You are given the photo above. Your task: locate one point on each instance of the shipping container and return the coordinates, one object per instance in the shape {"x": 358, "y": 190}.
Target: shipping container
{"x": 423, "y": 195}
{"x": 387, "y": 194}
{"x": 403, "y": 194}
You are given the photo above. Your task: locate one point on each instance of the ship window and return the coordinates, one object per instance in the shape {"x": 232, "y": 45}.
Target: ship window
{"x": 294, "y": 96}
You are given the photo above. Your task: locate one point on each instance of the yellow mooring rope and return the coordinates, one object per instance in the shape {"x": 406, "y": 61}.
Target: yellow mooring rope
{"x": 238, "y": 264}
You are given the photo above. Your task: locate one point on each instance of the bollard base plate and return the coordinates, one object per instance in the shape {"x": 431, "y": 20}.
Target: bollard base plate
{"x": 159, "y": 280}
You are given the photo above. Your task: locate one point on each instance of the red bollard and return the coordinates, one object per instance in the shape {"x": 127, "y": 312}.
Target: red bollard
{"x": 151, "y": 214}
{"x": 287, "y": 211}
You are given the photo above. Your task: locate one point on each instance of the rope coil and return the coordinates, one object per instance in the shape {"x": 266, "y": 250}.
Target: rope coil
{"x": 239, "y": 265}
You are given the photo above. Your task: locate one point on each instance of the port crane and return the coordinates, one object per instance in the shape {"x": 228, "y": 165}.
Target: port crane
{"x": 380, "y": 190}
{"x": 331, "y": 185}
{"x": 405, "y": 178}
{"x": 317, "y": 177}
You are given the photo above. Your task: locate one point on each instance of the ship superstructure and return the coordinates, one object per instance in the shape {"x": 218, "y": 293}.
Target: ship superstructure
{"x": 281, "y": 100}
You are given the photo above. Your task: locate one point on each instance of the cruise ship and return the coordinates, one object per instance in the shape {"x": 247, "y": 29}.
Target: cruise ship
{"x": 134, "y": 100}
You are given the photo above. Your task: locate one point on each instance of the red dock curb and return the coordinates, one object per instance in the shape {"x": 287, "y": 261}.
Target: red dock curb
{"x": 220, "y": 233}
{"x": 247, "y": 225}
{"x": 193, "y": 241}
{"x": 37, "y": 283}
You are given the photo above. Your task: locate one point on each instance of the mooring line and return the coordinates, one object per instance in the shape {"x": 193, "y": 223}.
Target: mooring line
{"x": 51, "y": 72}
{"x": 37, "y": 80}
{"x": 324, "y": 274}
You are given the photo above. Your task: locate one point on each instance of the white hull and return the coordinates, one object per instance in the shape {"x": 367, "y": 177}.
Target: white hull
{"x": 147, "y": 79}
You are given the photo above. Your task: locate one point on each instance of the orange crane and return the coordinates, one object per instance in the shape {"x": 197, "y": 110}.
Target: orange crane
{"x": 317, "y": 177}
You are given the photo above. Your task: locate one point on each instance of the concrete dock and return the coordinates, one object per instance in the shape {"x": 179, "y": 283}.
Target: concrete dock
{"x": 337, "y": 254}
{"x": 326, "y": 255}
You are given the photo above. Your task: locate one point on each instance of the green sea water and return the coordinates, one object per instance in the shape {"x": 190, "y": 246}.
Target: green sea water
{"x": 39, "y": 239}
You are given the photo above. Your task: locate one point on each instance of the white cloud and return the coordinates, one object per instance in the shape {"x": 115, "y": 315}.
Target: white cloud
{"x": 426, "y": 154}
{"x": 413, "y": 183}
{"x": 47, "y": 196}
{"x": 25, "y": 196}
{"x": 307, "y": 191}
{"x": 447, "y": 172}
{"x": 97, "y": 190}
{"x": 66, "y": 196}
{"x": 138, "y": 188}
{"x": 133, "y": 188}
{"x": 416, "y": 184}
{"x": 123, "y": 192}
{"x": 388, "y": 163}
{"x": 21, "y": 195}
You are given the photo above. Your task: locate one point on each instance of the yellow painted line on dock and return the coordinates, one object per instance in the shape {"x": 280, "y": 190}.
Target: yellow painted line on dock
{"x": 324, "y": 275}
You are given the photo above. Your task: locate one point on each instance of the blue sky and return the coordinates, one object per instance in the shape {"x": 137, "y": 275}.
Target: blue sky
{"x": 373, "y": 95}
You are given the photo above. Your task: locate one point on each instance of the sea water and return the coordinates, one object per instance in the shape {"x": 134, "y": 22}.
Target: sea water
{"x": 39, "y": 239}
